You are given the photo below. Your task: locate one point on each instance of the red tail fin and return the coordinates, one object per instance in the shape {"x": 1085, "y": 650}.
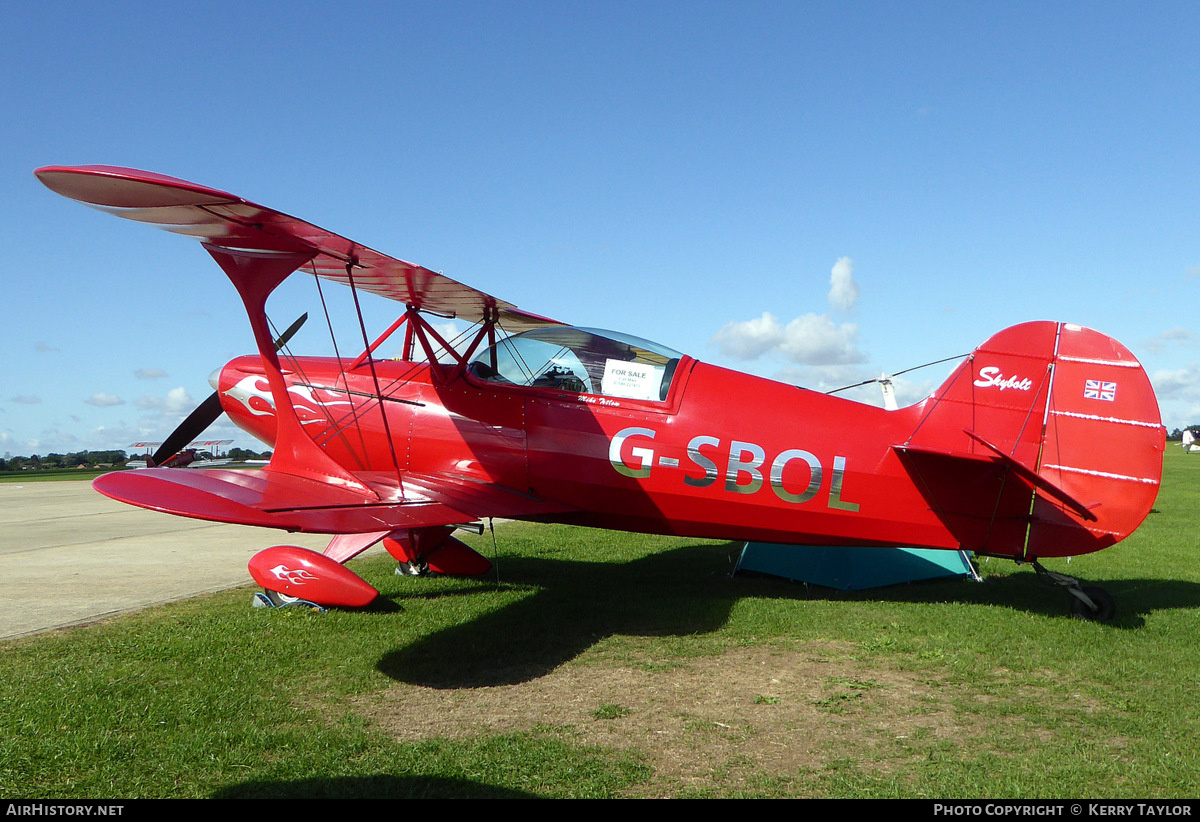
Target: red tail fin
{"x": 1045, "y": 442}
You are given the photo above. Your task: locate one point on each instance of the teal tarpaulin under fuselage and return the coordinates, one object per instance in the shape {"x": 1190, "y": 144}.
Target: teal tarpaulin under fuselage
{"x": 853, "y": 568}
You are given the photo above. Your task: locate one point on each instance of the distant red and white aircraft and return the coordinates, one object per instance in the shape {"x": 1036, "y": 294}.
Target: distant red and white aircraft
{"x": 538, "y": 420}
{"x": 196, "y": 455}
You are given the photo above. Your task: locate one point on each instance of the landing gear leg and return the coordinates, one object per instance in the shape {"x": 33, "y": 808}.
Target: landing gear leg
{"x": 1087, "y": 603}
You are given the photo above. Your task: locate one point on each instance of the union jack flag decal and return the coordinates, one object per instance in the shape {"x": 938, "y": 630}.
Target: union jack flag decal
{"x": 1099, "y": 390}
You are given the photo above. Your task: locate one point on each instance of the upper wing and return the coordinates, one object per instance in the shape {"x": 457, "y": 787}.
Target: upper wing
{"x": 222, "y": 219}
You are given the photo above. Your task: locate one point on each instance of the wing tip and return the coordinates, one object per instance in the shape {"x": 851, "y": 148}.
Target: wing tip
{"x": 120, "y": 187}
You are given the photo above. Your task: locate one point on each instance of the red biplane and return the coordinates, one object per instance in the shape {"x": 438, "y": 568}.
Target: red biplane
{"x": 537, "y": 420}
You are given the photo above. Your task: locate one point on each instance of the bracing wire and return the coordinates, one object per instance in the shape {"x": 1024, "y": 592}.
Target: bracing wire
{"x": 387, "y": 430}
{"x": 341, "y": 368}
{"x": 897, "y": 374}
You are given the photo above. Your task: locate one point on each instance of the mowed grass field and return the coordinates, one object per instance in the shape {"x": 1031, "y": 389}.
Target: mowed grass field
{"x": 612, "y": 665}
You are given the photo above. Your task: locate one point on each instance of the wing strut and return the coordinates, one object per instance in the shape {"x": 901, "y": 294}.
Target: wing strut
{"x": 387, "y": 430}
{"x": 417, "y": 329}
{"x": 340, "y": 432}
{"x": 378, "y": 342}
{"x": 255, "y": 274}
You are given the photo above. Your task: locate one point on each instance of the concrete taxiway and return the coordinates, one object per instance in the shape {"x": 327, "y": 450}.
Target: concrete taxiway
{"x": 72, "y": 556}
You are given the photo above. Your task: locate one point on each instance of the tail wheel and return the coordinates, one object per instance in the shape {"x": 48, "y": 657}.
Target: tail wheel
{"x": 1102, "y": 609}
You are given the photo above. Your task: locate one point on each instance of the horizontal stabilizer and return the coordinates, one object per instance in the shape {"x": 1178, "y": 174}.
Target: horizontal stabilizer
{"x": 1001, "y": 460}
{"x": 976, "y": 495}
{"x": 1032, "y": 477}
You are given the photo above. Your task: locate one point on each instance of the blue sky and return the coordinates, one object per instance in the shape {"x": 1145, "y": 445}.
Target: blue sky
{"x": 693, "y": 173}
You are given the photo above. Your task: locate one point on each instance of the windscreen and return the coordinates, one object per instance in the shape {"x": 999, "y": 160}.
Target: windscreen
{"x": 582, "y": 361}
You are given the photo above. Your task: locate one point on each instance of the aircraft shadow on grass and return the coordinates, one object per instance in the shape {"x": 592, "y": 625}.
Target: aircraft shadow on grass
{"x": 672, "y": 593}
{"x": 683, "y": 592}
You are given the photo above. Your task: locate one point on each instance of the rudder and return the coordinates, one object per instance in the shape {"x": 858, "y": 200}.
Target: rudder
{"x": 1104, "y": 445}
{"x": 1046, "y": 441}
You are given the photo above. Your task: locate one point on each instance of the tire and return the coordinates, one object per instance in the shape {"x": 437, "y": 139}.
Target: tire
{"x": 1106, "y": 606}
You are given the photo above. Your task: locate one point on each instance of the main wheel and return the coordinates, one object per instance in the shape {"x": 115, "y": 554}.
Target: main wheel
{"x": 1106, "y": 606}
{"x": 414, "y": 568}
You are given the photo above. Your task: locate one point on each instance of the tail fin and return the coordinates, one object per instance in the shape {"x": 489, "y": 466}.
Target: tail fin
{"x": 1045, "y": 442}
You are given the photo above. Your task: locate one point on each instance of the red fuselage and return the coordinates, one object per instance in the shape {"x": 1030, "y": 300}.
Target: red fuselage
{"x": 726, "y": 455}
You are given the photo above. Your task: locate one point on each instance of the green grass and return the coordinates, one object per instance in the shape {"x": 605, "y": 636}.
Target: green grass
{"x": 941, "y": 689}
{"x": 53, "y": 474}
{"x": 610, "y": 711}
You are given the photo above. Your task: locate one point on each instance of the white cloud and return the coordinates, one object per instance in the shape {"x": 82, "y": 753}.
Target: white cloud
{"x": 843, "y": 291}
{"x": 816, "y": 340}
{"x": 1179, "y": 383}
{"x": 750, "y": 339}
{"x": 812, "y": 339}
{"x": 1173, "y": 337}
{"x": 29, "y": 399}
{"x": 149, "y": 373}
{"x": 102, "y": 400}
{"x": 177, "y": 401}
{"x": 1178, "y": 392}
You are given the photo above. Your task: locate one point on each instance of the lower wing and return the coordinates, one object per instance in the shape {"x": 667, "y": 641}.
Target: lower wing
{"x": 272, "y": 499}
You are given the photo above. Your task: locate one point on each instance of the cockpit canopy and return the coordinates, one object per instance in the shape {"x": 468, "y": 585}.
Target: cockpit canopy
{"x": 581, "y": 361}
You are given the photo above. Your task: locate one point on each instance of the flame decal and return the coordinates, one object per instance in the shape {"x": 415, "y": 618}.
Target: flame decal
{"x": 296, "y": 576}
{"x": 310, "y": 402}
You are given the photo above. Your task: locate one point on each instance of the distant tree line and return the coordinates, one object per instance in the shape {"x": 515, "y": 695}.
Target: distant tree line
{"x": 86, "y": 459}
{"x": 240, "y": 454}
{"x": 1177, "y": 434}
{"x": 97, "y": 459}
